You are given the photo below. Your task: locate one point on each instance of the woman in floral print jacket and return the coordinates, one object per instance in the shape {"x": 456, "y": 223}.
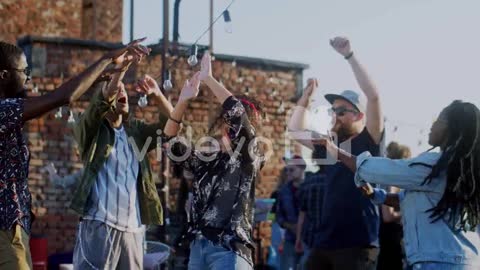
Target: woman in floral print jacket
{"x": 224, "y": 181}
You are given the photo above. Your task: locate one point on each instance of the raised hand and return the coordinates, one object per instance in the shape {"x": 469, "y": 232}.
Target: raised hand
{"x": 206, "y": 66}
{"x": 190, "y": 88}
{"x": 148, "y": 86}
{"x": 341, "y": 45}
{"x": 134, "y": 51}
{"x": 312, "y": 84}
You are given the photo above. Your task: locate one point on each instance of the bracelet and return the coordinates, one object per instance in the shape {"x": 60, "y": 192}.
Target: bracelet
{"x": 348, "y": 56}
{"x": 174, "y": 120}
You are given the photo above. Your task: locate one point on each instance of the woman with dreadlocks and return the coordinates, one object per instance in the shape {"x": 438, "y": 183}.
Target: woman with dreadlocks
{"x": 223, "y": 180}
{"x": 441, "y": 206}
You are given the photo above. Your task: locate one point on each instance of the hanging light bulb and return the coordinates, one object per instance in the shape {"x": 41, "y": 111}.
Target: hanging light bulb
{"x": 142, "y": 101}
{"x": 167, "y": 83}
{"x": 59, "y": 114}
{"x": 234, "y": 63}
{"x": 192, "y": 60}
{"x": 267, "y": 119}
{"x": 274, "y": 92}
{"x": 71, "y": 118}
{"x": 281, "y": 108}
{"x": 35, "y": 88}
{"x": 247, "y": 91}
{"x": 228, "y": 21}
{"x": 240, "y": 77}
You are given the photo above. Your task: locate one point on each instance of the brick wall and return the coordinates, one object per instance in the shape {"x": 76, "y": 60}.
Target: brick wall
{"x": 72, "y": 18}
{"x": 102, "y": 20}
{"x": 50, "y": 139}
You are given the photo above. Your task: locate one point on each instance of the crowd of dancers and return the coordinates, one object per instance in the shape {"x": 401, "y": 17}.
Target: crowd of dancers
{"x": 332, "y": 217}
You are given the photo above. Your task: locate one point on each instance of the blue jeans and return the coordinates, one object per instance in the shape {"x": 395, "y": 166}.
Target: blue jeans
{"x": 204, "y": 255}
{"x": 440, "y": 266}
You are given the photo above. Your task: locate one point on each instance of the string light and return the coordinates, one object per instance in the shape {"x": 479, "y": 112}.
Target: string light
{"x": 228, "y": 22}
{"x": 281, "y": 108}
{"x": 274, "y": 92}
{"x": 214, "y": 21}
{"x": 167, "y": 84}
{"x": 234, "y": 63}
{"x": 59, "y": 113}
{"x": 192, "y": 60}
{"x": 142, "y": 101}
{"x": 35, "y": 88}
{"x": 71, "y": 118}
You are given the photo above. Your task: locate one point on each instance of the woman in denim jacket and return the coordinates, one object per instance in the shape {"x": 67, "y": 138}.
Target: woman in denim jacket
{"x": 441, "y": 206}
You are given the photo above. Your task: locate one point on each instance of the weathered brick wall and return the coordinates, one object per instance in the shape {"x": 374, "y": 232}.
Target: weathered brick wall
{"x": 50, "y": 139}
{"x": 102, "y": 20}
{"x": 72, "y": 18}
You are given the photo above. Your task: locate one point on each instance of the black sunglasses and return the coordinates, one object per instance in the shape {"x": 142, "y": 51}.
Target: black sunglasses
{"x": 340, "y": 111}
{"x": 27, "y": 71}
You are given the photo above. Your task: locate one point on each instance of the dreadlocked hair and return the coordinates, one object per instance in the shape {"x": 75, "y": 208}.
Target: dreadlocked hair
{"x": 461, "y": 160}
{"x": 254, "y": 116}
{"x": 8, "y": 53}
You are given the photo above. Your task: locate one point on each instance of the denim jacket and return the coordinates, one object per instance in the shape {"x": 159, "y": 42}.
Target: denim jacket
{"x": 424, "y": 241}
{"x": 96, "y": 138}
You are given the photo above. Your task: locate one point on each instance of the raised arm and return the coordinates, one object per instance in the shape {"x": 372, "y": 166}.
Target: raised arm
{"x": 374, "y": 112}
{"x": 148, "y": 86}
{"x": 206, "y": 76}
{"x": 240, "y": 130}
{"x": 296, "y": 123}
{"x": 189, "y": 92}
{"x": 77, "y": 86}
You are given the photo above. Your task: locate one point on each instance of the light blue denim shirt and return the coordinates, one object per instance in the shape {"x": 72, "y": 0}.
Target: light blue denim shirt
{"x": 424, "y": 241}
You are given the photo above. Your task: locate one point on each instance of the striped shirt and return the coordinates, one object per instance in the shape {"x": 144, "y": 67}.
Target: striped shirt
{"x": 114, "y": 198}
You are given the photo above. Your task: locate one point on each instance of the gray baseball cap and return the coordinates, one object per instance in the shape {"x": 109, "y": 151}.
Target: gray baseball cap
{"x": 357, "y": 100}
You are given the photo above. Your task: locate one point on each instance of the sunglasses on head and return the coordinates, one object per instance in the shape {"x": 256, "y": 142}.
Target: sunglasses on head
{"x": 340, "y": 111}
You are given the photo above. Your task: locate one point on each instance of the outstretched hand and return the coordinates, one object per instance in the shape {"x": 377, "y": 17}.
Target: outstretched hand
{"x": 190, "y": 88}
{"x": 205, "y": 66}
{"x": 134, "y": 51}
{"x": 148, "y": 86}
{"x": 341, "y": 45}
{"x": 312, "y": 84}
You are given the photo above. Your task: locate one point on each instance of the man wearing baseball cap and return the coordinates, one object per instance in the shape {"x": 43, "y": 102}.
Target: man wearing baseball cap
{"x": 348, "y": 235}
